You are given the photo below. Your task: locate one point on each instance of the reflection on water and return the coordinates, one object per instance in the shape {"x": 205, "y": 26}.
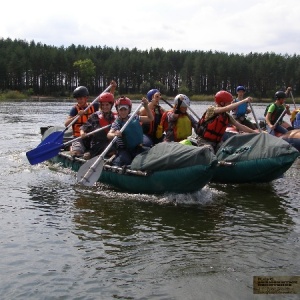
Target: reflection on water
{"x": 65, "y": 241}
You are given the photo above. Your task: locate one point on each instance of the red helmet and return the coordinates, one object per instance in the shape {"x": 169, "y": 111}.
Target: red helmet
{"x": 107, "y": 97}
{"x": 223, "y": 97}
{"x": 123, "y": 101}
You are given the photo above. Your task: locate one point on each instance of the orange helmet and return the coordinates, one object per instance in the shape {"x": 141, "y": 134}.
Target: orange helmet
{"x": 223, "y": 97}
{"x": 107, "y": 97}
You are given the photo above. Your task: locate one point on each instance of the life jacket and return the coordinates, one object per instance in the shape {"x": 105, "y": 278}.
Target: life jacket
{"x": 150, "y": 128}
{"x": 276, "y": 113}
{"x": 104, "y": 122}
{"x": 296, "y": 123}
{"x": 133, "y": 134}
{"x": 163, "y": 124}
{"x": 294, "y": 114}
{"x": 100, "y": 137}
{"x": 213, "y": 128}
{"x": 183, "y": 128}
{"x": 241, "y": 110}
{"x": 82, "y": 119}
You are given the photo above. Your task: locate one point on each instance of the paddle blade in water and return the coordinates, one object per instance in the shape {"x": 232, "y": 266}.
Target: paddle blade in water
{"x": 90, "y": 172}
{"x": 43, "y": 152}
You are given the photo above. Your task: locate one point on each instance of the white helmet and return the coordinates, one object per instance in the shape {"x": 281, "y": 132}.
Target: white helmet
{"x": 184, "y": 97}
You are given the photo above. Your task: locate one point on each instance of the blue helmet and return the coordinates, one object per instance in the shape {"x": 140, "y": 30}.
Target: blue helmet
{"x": 151, "y": 93}
{"x": 240, "y": 88}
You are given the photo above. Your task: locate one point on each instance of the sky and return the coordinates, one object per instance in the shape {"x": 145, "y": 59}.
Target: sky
{"x": 231, "y": 26}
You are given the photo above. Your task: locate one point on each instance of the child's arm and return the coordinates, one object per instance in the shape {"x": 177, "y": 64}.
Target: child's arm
{"x": 149, "y": 118}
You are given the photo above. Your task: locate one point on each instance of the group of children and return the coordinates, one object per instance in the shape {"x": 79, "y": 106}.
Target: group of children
{"x": 152, "y": 124}
{"x": 274, "y": 113}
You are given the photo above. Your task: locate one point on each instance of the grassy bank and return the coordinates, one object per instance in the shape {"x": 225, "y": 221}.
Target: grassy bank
{"x": 18, "y": 96}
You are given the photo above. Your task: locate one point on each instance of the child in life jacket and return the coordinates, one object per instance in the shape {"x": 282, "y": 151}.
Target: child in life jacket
{"x": 215, "y": 120}
{"x": 179, "y": 123}
{"x": 274, "y": 115}
{"x": 242, "y": 110}
{"x": 81, "y": 94}
{"x": 103, "y": 117}
{"x": 128, "y": 143}
{"x": 150, "y": 129}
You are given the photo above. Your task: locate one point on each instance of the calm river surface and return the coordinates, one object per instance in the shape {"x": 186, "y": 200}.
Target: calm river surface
{"x": 59, "y": 240}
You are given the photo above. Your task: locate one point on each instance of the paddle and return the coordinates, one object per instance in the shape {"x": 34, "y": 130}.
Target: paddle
{"x": 271, "y": 131}
{"x": 91, "y": 171}
{"x": 49, "y": 150}
{"x": 293, "y": 99}
{"x": 189, "y": 107}
{"x": 185, "y": 104}
{"x": 257, "y": 124}
{"x": 57, "y": 136}
{"x": 167, "y": 102}
{"x": 193, "y": 112}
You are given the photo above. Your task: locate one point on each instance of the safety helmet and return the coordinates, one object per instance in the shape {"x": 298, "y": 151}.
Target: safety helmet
{"x": 240, "y": 88}
{"x": 123, "y": 101}
{"x": 107, "y": 97}
{"x": 223, "y": 97}
{"x": 185, "y": 98}
{"x": 151, "y": 93}
{"x": 80, "y": 91}
{"x": 280, "y": 95}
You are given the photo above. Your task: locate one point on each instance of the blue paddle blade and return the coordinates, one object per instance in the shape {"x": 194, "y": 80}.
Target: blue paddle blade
{"x": 43, "y": 152}
{"x": 54, "y": 138}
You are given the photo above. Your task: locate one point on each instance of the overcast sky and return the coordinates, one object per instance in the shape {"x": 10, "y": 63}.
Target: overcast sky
{"x": 232, "y": 26}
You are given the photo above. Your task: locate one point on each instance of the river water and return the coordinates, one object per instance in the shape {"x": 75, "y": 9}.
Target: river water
{"x": 59, "y": 240}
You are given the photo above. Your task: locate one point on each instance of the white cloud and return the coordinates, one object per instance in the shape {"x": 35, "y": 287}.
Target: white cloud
{"x": 230, "y": 26}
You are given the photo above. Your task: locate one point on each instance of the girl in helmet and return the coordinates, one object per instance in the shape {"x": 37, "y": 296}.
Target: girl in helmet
{"x": 240, "y": 112}
{"x": 274, "y": 112}
{"x": 103, "y": 117}
{"x": 179, "y": 122}
{"x": 129, "y": 143}
{"x": 81, "y": 94}
{"x": 149, "y": 129}
{"x": 215, "y": 120}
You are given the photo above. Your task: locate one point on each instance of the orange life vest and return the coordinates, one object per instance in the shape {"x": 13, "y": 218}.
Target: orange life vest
{"x": 82, "y": 119}
{"x": 104, "y": 122}
{"x": 213, "y": 128}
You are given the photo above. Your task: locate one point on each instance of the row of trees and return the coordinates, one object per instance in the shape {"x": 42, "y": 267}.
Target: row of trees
{"x": 41, "y": 69}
